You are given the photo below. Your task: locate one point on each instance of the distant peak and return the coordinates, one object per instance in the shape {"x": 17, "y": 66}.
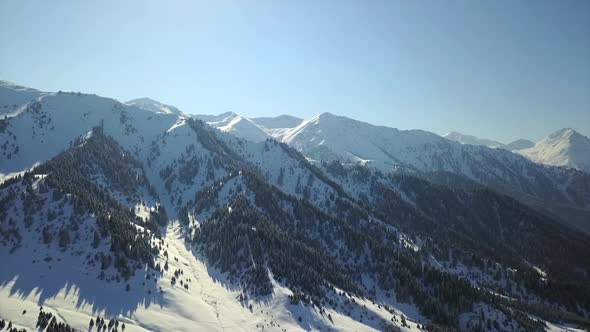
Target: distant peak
{"x": 564, "y": 133}
{"x": 14, "y": 86}
{"x": 327, "y": 115}
{"x": 152, "y": 105}
{"x": 455, "y": 135}
{"x": 228, "y": 114}
{"x": 519, "y": 144}
{"x": 143, "y": 100}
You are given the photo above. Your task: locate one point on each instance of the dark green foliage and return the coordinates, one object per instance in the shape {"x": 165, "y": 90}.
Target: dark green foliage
{"x": 69, "y": 172}
{"x": 244, "y": 239}
{"x": 46, "y": 322}
{"x": 183, "y": 216}
{"x": 158, "y": 216}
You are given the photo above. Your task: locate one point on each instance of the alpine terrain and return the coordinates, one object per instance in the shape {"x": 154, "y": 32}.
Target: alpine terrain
{"x": 137, "y": 216}
{"x": 565, "y": 147}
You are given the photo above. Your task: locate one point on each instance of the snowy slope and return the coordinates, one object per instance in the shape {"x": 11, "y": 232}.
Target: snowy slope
{"x": 469, "y": 139}
{"x": 13, "y": 96}
{"x": 154, "y": 106}
{"x": 518, "y": 144}
{"x": 209, "y": 304}
{"x": 63, "y": 279}
{"x": 190, "y": 166}
{"x": 565, "y": 147}
{"x": 236, "y": 125}
{"x": 48, "y": 125}
{"x": 329, "y": 137}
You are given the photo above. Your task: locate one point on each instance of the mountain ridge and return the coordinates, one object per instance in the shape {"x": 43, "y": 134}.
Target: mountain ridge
{"x": 293, "y": 232}
{"x": 564, "y": 147}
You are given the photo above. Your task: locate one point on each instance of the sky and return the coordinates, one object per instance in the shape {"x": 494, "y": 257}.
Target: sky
{"x": 495, "y": 69}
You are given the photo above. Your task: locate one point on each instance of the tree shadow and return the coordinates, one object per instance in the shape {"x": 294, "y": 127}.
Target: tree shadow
{"x": 38, "y": 273}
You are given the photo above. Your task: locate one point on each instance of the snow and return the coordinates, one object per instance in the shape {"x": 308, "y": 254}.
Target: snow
{"x": 565, "y": 147}
{"x": 53, "y": 121}
{"x": 236, "y": 125}
{"x": 469, "y": 139}
{"x": 64, "y": 287}
{"x": 154, "y": 106}
{"x": 13, "y": 97}
{"x": 159, "y": 135}
{"x": 519, "y": 144}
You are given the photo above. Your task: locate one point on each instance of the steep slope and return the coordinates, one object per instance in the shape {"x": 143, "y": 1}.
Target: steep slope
{"x": 251, "y": 234}
{"x": 565, "y": 147}
{"x": 48, "y": 125}
{"x": 243, "y": 235}
{"x": 490, "y": 219}
{"x": 328, "y": 137}
{"x": 236, "y": 125}
{"x": 468, "y": 139}
{"x": 154, "y": 106}
{"x": 13, "y": 96}
{"x": 66, "y": 205}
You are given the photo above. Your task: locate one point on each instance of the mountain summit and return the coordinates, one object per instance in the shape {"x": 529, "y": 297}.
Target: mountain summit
{"x": 154, "y": 106}
{"x": 469, "y": 139}
{"x": 565, "y": 147}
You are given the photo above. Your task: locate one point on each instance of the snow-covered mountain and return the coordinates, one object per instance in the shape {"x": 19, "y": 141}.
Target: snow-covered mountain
{"x": 236, "y": 125}
{"x": 565, "y": 147}
{"x": 519, "y": 144}
{"x": 162, "y": 222}
{"x": 328, "y": 137}
{"x": 13, "y": 96}
{"x": 154, "y": 106}
{"x": 469, "y": 139}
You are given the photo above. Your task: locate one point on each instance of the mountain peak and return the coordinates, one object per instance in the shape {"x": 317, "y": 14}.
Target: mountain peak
{"x": 519, "y": 144}
{"x": 142, "y": 100}
{"x": 564, "y": 133}
{"x": 234, "y": 123}
{"x": 564, "y": 147}
{"x": 152, "y": 105}
{"x": 328, "y": 115}
{"x": 472, "y": 140}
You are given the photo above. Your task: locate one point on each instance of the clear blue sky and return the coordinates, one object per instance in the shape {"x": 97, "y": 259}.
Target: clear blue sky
{"x": 497, "y": 69}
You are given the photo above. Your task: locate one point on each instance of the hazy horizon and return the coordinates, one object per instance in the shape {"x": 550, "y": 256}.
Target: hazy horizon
{"x": 494, "y": 70}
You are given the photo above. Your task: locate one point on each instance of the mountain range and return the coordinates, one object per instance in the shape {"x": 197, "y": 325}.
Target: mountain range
{"x": 557, "y": 149}
{"x": 137, "y": 213}
{"x": 518, "y": 144}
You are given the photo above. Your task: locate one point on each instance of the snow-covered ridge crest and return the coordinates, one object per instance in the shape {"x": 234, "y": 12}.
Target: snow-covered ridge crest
{"x": 236, "y": 125}
{"x": 469, "y": 139}
{"x": 47, "y": 125}
{"x": 154, "y": 106}
{"x": 13, "y": 97}
{"x": 565, "y": 147}
{"x": 518, "y": 144}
